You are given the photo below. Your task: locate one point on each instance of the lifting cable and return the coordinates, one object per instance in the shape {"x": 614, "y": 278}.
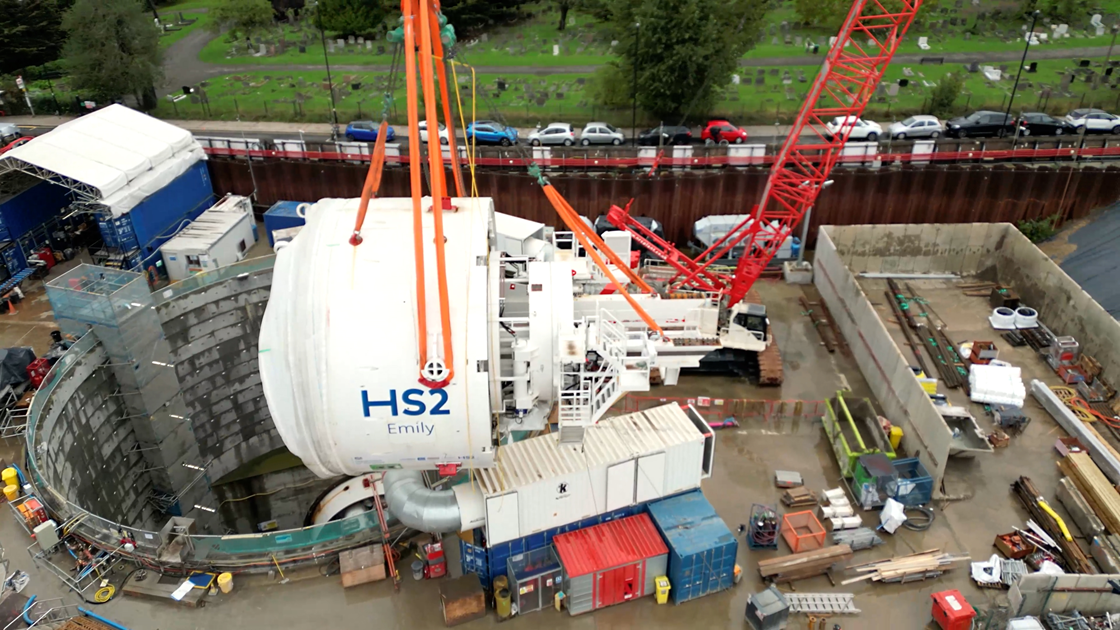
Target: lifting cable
{"x": 377, "y": 160}
{"x": 568, "y": 215}
{"x": 441, "y": 75}
{"x": 588, "y": 239}
{"x": 442, "y": 377}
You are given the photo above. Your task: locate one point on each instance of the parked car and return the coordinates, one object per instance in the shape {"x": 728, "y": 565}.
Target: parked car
{"x": 366, "y": 131}
{"x": 922, "y": 126}
{"x": 600, "y": 133}
{"x": 727, "y": 132}
{"x": 424, "y": 132}
{"x": 554, "y": 133}
{"x": 1094, "y": 121}
{"x": 1039, "y": 124}
{"x": 861, "y": 129}
{"x": 980, "y": 124}
{"x": 9, "y": 133}
{"x": 665, "y": 135}
{"x": 491, "y": 132}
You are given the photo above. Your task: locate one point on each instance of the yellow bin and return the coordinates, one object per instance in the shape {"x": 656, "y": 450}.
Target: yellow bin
{"x": 661, "y": 584}
{"x": 10, "y": 476}
{"x": 11, "y": 492}
{"x": 225, "y": 582}
{"x": 502, "y": 603}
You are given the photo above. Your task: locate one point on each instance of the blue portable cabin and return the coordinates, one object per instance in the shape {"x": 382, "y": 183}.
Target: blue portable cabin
{"x": 702, "y": 550}
{"x": 280, "y": 216}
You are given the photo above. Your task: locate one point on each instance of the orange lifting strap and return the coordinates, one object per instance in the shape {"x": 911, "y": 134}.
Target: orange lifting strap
{"x": 373, "y": 182}
{"x": 592, "y": 244}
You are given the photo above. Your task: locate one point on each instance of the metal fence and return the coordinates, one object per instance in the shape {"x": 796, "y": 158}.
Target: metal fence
{"x": 227, "y": 553}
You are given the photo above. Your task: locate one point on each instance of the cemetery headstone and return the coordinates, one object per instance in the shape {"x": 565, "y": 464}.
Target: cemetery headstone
{"x": 369, "y": 44}
{"x": 351, "y": 40}
{"x": 362, "y": 40}
{"x": 773, "y": 41}
{"x": 302, "y": 48}
{"x": 892, "y": 89}
{"x": 797, "y": 41}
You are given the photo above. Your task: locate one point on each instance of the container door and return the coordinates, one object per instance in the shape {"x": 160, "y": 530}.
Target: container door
{"x": 651, "y": 477}
{"x": 620, "y": 485}
{"x": 502, "y": 518}
{"x": 619, "y": 585}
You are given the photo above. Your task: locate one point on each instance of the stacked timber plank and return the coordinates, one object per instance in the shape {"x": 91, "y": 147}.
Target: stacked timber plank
{"x": 917, "y": 566}
{"x": 1095, "y": 487}
{"x": 803, "y": 565}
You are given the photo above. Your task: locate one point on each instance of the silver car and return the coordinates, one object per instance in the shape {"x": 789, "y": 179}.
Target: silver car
{"x": 554, "y": 133}
{"x": 917, "y": 127}
{"x": 601, "y": 133}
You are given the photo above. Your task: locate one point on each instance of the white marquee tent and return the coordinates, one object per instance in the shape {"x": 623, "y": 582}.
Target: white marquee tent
{"x": 114, "y": 157}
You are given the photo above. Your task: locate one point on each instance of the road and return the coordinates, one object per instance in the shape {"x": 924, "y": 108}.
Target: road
{"x": 311, "y": 132}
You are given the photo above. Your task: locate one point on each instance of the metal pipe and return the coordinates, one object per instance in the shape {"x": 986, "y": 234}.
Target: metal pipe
{"x": 418, "y": 507}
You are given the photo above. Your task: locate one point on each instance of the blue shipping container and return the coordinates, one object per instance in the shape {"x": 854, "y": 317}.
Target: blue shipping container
{"x": 702, "y": 549}
{"x": 32, "y": 207}
{"x": 14, "y": 259}
{"x": 280, "y": 216}
{"x": 162, "y": 213}
{"x": 490, "y": 562}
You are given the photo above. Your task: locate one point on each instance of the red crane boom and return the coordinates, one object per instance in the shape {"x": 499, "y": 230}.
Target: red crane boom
{"x": 853, "y": 67}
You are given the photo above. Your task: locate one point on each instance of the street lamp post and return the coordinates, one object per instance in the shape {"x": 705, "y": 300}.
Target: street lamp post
{"x": 1026, "y": 47}
{"x": 634, "y": 104}
{"x": 1115, "y": 30}
{"x": 327, "y": 62}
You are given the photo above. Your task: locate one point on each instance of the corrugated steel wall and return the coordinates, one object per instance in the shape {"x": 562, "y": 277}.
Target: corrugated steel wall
{"x": 959, "y": 193}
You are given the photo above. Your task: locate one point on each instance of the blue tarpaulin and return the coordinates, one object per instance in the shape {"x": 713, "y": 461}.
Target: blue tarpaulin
{"x": 1094, "y": 264}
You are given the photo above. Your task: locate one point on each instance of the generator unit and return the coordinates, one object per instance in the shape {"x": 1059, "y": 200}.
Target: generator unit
{"x": 220, "y": 236}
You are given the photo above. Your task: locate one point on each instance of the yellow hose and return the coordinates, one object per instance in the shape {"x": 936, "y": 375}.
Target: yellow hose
{"x": 1054, "y": 515}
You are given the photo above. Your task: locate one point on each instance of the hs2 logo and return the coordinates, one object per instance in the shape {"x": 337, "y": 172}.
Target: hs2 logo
{"x": 412, "y": 401}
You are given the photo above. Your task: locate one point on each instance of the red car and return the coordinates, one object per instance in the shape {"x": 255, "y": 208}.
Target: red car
{"x": 727, "y": 132}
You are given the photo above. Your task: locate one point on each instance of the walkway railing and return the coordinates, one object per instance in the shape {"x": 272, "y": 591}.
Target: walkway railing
{"x": 226, "y": 553}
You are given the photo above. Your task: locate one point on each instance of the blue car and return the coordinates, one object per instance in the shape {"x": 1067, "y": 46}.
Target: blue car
{"x": 366, "y": 130}
{"x": 491, "y": 132}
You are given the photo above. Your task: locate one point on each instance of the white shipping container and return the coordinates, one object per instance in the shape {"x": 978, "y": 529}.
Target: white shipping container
{"x": 538, "y": 484}
{"x": 220, "y": 236}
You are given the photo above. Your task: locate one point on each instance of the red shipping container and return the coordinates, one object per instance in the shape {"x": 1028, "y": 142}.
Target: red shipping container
{"x": 611, "y": 563}
{"x": 951, "y": 611}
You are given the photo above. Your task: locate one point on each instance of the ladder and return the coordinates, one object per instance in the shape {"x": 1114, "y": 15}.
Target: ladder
{"x": 822, "y": 603}
{"x": 386, "y": 544}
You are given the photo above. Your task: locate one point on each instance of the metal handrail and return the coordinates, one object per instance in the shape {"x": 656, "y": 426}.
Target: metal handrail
{"x": 236, "y": 552}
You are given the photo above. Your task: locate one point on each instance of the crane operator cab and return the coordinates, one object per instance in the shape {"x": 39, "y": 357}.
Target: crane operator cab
{"x": 748, "y": 328}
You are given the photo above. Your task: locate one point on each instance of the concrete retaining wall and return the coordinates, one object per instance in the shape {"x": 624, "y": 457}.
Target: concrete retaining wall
{"x": 902, "y": 399}
{"x": 283, "y": 496}
{"x": 93, "y": 458}
{"x": 1036, "y": 594}
{"x": 213, "y": 336}
{"x": 1061, "y": 303}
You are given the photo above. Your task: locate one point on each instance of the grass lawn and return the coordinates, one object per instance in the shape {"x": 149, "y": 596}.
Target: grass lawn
{"x": 187, "y": 5}
{"x": 171, "y": 37}
{"x": 528, "y": 43}
{"x": 528, "y": 100}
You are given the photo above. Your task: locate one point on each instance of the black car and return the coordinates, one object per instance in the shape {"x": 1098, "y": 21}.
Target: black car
{"x": 1039, "y": 124}
{"x": 665, "y": 135}
{"x": 981, "y": 124}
